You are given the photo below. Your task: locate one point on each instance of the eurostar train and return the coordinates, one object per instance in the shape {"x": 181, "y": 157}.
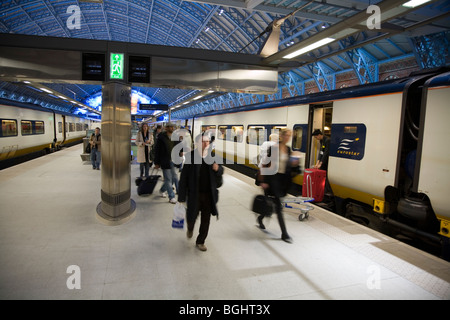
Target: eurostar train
{"x": 28, "y": 130}
{"x": 389, "y": 162}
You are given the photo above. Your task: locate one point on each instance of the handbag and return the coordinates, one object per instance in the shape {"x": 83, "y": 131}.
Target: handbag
{"x": 262, "y": 205}
{"x": 179, "y": 212}
{"x": 88, "y": 148}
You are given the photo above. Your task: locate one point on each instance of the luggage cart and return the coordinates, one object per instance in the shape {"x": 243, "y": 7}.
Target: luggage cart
{"x": 304, "y": 208}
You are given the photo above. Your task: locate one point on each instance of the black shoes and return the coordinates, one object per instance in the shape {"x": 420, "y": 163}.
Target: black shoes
{"x": 287, "y": 239}
{"x": 260, "y": 223}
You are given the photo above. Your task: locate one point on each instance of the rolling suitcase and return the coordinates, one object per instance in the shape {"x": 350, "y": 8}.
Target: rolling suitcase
{"x": 314, "y": 184}
{"x": 146, "y": 186}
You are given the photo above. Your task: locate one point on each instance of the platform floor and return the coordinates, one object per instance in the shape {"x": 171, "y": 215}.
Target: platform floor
{"x": 48, "y": 223}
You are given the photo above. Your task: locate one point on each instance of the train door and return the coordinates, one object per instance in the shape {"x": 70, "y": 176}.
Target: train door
{"x": 320, "y": 117}
{"x": 64, "y": 129}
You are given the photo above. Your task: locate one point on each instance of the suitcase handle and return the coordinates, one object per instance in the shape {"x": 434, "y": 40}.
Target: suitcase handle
{"x": 309, "y": 186}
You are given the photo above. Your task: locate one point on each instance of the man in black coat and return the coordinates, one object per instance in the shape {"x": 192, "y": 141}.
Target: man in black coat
{"x": 199, "y": 180}
{"x": 163, "y": 159}
{"x": 324, "y": 153}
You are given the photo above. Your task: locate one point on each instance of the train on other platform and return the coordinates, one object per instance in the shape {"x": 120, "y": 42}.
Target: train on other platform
{"x": 389, "y": 162}
{"x": 28, "y": 130}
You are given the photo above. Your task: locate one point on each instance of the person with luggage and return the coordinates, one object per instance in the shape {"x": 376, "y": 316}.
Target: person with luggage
{"x": 144, "y": 141}
{"x": 199, "y": 181}
{"x": 96, "y": 143}
{"x": 276, "y": 185}
{"x": 322, "y": 160}
{"x": 273, "y": 139}
{"x": 163, "y": 160}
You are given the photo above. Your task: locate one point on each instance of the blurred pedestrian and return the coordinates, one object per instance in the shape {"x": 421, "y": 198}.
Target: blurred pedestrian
{"x": 163, "y": 160}
{"x": 276, "y": 185}
{"x": 199, "y": 180}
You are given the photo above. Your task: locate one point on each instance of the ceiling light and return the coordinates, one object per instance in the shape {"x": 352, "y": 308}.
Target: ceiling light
{"x": 415, "y": 3}
{"x": 309, "y": 48}
{"x": 196, "y": 98}
{"x": 46, "y": 90}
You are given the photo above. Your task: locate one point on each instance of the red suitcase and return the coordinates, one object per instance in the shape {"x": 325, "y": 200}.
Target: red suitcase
{"x": 314, "y": 184}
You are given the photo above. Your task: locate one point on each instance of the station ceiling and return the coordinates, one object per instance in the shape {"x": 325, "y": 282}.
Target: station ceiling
{"x": 235, "y": 26}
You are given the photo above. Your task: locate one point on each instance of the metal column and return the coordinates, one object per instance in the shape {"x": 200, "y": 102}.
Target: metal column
{"x": 116, "y": 206}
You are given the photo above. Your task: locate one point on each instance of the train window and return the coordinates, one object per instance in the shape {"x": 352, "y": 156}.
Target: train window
{"x": 79, "y": 126}
{"x": 9, "y": 128}
{"x": 30, "y": 127}
{"x": 71, "y": 127}
{"x": 39, "y": 127}
{"x": 299, "y": 137}
{"x": 60, "y": 127}
{"x": 222, "y": 133}
{"x": 231, "y": 133}
{"x": 211, "y": 130}
{"x": 277, "y": 129}
{"x": 350, "y": 129}
{"x": 204, "y": 128}
{"x": 27, "y": 127}
{"x": 237, "y": 133}
{"x": 256, "y": 135}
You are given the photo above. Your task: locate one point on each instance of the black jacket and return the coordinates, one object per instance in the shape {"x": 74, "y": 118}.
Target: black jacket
{"x": 279, "y": 184}
{"x": 324, "y": 152}
{"x": 163, "y": 150}
{"x": 188, "y": 184}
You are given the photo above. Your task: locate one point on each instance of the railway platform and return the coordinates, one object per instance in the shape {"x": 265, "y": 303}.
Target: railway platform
{"x": 53, "y": 247}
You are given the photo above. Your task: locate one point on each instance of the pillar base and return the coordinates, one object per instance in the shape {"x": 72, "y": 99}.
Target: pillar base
{"x": 115, "y": 221}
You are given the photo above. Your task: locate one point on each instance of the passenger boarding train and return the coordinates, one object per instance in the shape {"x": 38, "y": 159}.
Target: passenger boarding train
{"x": 388, "y": 156}
{"x": 28, "y": 130}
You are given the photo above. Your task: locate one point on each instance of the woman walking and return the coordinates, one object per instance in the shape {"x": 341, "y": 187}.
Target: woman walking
{"x": 276, "y": 185}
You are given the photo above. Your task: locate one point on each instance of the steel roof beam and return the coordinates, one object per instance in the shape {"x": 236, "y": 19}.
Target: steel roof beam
{"x": 271, "y": 9}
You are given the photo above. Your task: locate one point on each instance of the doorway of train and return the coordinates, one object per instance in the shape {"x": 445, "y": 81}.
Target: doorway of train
{"x": 320, "y": 117}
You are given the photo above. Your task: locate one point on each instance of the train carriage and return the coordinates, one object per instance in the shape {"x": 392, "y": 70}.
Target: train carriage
{"x": 387, "y": 157}
{"x": 28, "y": 130}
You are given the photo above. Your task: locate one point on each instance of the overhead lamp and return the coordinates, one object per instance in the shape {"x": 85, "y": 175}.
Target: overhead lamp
{"x": 415, "y": 3}
{"x": 198, "y": 97}
{"x": 46, "y": 90}
{"x": 313, "y": 46}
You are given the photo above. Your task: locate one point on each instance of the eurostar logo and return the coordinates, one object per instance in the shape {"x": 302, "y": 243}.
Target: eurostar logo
{"x": 348, "y": 141}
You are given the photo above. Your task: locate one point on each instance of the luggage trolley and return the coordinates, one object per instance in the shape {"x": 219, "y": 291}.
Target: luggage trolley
{"x": 304, "y": 208}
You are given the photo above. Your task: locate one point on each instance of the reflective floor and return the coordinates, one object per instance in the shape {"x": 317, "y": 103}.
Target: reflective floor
{"x": 53, "y": 247}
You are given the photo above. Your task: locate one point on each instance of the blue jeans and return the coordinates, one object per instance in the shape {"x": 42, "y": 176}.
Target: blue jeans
{"x": 170, "y": 177}
{"x": 96, "y": 157}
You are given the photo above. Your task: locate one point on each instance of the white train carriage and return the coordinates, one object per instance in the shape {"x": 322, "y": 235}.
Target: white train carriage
{"x": 28, "y": 129}
{"x": 374, "y": 131}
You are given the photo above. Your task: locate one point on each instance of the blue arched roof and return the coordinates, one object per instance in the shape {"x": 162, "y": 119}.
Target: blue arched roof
{"x": 233, "y": 26}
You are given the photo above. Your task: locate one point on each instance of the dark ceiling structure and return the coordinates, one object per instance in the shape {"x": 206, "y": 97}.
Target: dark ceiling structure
{"x": 309, "y": 41}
